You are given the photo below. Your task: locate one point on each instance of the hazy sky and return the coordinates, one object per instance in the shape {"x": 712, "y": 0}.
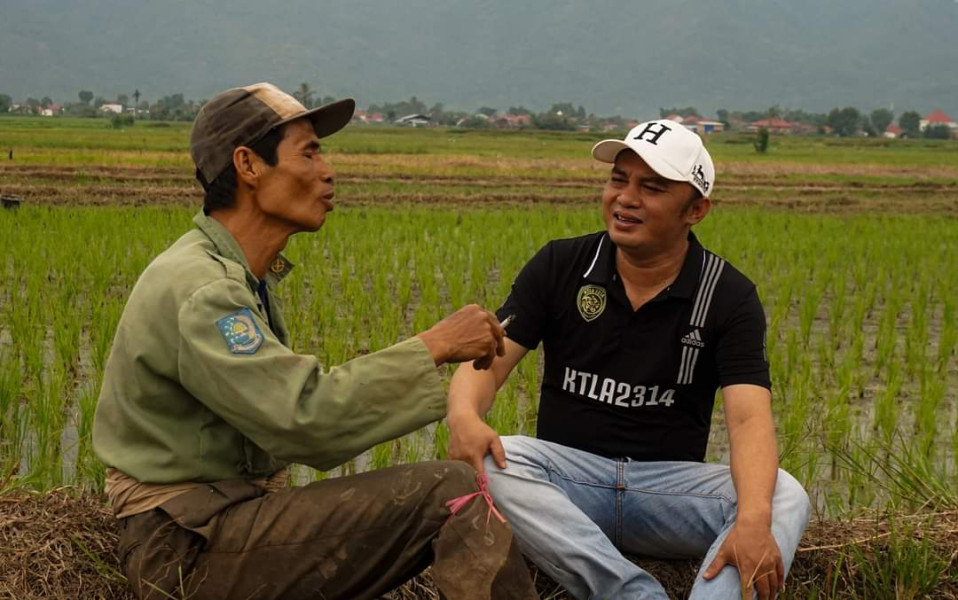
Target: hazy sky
{"x": 613, "y": 56}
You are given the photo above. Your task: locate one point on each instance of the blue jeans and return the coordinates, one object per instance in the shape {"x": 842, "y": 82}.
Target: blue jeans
{"x": 575, "y": 513}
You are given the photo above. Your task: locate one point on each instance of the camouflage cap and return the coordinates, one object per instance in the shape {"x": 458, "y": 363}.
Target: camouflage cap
{"x": 241, "y": 116}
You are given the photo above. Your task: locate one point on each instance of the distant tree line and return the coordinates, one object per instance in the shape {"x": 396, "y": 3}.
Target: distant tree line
{"x": 561, "y": 116}
{"x": 843, "y": 122}
{"x": 168, "y": 108}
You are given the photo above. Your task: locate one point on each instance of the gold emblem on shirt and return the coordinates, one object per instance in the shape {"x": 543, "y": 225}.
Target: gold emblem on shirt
{"x": 591, "y": 302}
{"x": 278, "y": 266}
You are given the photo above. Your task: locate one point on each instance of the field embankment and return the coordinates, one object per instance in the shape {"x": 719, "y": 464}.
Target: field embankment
{"x": 61, "y": 545}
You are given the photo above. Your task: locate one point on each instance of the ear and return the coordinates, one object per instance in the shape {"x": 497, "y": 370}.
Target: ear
{"x": 248, "y": 165}
{"x": 698, "y": 210}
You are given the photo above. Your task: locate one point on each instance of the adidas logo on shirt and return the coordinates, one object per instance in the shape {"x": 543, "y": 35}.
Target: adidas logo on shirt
{"x": 694, "y": 339}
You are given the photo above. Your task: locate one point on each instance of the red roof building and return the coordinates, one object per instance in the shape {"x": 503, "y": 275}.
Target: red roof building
{"x": 936, "y": 118}
{"x": 510, "y": 121}
{"x": 893, "y": 131}
{"x": 774, "y": 125}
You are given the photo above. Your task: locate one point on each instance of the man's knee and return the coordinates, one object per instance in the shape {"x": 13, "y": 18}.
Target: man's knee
{"x": 454, "y": 478}
{"x": 792, "y": 498}
{"x": 521, "y": 448}
{"x": 523, "y": 458}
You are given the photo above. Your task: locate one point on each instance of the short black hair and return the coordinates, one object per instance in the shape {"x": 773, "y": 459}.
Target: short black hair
{"x": 221, "y": 192}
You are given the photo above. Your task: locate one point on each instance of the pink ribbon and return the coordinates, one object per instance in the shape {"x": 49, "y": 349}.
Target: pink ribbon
{"x": 456, "y": 504}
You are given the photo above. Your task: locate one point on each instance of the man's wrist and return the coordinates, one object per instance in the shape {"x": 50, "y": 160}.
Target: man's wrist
{"x": 462, "y": 415}
{"x": 437, "y": 348}
{"x": 755, "y": 517}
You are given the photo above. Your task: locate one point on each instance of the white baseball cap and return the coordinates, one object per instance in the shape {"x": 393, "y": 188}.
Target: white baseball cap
{"x": 669, "y": 149}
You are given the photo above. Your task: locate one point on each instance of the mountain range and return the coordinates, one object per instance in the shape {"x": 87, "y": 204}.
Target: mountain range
{"x": 623, "y": 57}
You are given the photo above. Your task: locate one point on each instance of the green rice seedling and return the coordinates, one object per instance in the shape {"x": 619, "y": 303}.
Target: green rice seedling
{"x": 926, "y": 417}
{"x": 904, "y": 474}
{"x": 948, "y": 338}
{"x": 954, "y": 443}
{"x": 12, "y": 422}
{"x": 837, "y": 426}
{"x": 381, "y": 455}
{"x": 47, "y": 421}
{"x": 888, "y": 406}
{"x": 793, "y": 427}
{"x": 887, "y": 339}
{"x": 440, "y": 441}
{"x": 808, "y": 309}
{"x": 504, "y": 415}
{"x": 89, "y": 470}
{"x": 905, "y": 566}
{"x": 836, "y": 309}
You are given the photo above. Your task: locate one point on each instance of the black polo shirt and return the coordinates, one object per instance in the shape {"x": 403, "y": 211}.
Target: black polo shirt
{"x": 638, "y": 384}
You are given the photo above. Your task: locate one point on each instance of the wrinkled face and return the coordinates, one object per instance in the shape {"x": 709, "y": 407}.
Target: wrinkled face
{"x": 299, "y": 188}
{"x": 643, "y": 211}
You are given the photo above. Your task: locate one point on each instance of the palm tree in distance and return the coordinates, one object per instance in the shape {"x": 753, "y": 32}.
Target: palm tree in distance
{"x": 304, "y": 95}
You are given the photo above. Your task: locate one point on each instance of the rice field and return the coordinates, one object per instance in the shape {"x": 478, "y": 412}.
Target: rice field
{"x": 853, "y": 246}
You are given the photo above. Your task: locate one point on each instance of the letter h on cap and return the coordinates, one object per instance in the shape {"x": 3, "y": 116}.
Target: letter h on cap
{"x": 649, "y": 129}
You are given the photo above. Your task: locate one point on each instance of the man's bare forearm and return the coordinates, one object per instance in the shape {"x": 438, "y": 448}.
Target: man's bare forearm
{"x": 754, "y": 464}
{"x": 471, "y": 392}
{"x": 754, "y": 451}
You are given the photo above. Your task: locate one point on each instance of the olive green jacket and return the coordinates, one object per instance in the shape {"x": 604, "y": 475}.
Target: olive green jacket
{"x": 201, "y": 387}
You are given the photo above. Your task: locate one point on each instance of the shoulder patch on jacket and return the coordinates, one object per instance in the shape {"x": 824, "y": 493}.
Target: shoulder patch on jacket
{"x": 241, "y": 332}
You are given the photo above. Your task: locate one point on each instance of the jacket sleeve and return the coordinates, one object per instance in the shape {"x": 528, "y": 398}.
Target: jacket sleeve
{"x": 285, "y": 402}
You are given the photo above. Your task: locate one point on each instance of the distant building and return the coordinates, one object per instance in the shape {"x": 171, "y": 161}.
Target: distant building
{"x": 938, "y": 118}
{"x": 110, "y": 109}
{"x": 414, "y": 120}
{"x": 710, "y": 127}
{"x": 775, "y": 125}
{"x": 892, "y": 131}
{"x": 704, "y": 126}
{"x": 510, "y": 121}
{"x": 699, "y": 125}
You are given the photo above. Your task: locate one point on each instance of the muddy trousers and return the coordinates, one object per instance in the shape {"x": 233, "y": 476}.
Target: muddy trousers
{"x": 351, "y": 538}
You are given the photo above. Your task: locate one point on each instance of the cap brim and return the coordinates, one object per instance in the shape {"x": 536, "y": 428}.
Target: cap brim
{"x": 607, "y": 150}
{"x": 328, "y": 118}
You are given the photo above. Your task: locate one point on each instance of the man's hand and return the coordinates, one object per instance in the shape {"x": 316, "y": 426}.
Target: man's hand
{"x": 470, "y": 333}
{"x": 470, "y": 439}
{"x": 754, "y": 552}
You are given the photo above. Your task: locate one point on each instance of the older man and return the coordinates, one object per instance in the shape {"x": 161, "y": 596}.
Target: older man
{"x": 203, "y": 404}
{"x": 640, "y": 325}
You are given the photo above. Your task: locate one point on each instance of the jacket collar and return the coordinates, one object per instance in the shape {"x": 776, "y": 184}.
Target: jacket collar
{"x": 228, "y": 247}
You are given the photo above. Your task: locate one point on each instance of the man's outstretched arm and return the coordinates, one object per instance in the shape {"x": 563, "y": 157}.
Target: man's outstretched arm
{"x": 471, "y": 394}
{"x": 750, "y": 546}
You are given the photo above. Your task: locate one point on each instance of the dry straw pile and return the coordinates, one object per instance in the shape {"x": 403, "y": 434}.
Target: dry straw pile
{"x": 61, "y": 545}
